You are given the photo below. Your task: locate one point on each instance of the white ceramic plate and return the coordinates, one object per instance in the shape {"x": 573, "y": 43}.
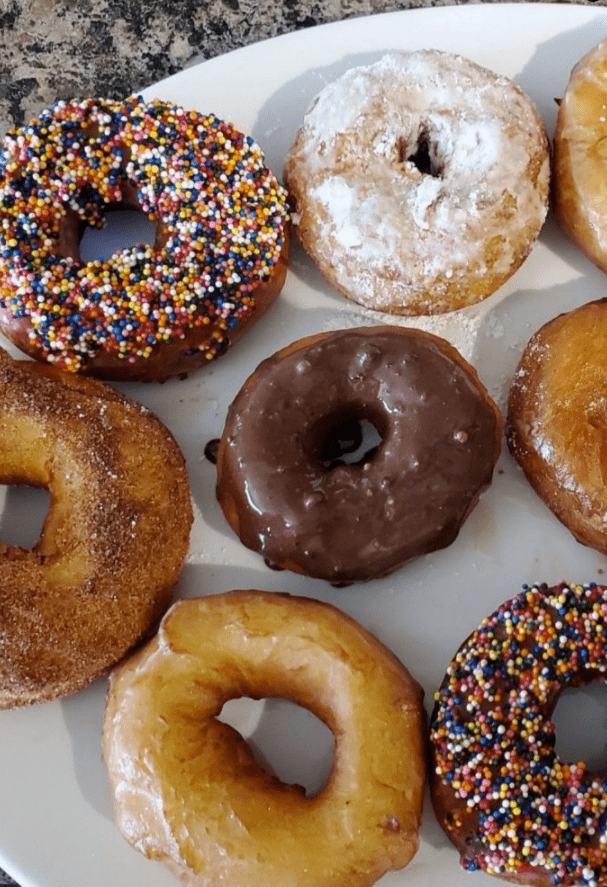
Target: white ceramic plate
{"x": 56, "y": 826}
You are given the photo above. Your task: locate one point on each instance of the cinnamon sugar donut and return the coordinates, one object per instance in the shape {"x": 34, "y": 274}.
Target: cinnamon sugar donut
{"x": 579, "y": 156}
{"x": 189, "y": 792}
{"x": 148, "y": 312}
{"x": 419, "y": 183}
{"x": 287, "y": 498}
{"x": 505, "y": 799}
{"x": 556, "y": 419}
{"x": 114, "y": 539}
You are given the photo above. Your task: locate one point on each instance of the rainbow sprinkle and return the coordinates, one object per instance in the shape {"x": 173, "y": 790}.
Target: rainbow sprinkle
{"x": 203, "y": 183}
{"x": 493, "y": 742}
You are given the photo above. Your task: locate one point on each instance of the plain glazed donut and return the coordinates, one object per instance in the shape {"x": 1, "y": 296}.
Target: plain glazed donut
{"x": 113, "y": 542}
{"x": 556, "y": 419}
{"x": 187, "y": 789}
{"x": 420, "y": 183}
{"x": 580, "y": 192}
{"x": 440, "y": 439}
{"x": 149, "y": 312}
{"x": 501, "y": 793}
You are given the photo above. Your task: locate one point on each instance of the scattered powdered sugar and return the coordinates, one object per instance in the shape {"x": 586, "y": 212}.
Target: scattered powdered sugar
{"x": 422, "y": 198}
{"x": 407, "y": 168}
{"x": 341, "y": 197}
{"x": 460, "y": 328}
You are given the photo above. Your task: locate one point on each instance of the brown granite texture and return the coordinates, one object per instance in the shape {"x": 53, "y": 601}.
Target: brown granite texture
{"x": 52, "y": 49}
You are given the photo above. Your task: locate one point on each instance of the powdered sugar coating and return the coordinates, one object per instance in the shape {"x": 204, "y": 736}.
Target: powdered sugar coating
{"x": 420, "y": 182}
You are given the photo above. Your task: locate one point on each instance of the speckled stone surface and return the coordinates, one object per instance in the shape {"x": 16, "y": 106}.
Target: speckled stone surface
{"x": 52, "y": 49}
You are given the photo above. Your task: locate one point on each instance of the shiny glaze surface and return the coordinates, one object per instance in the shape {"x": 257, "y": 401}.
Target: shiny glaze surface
{"x": 187, "y": 788}
{"x": 439, "y": 442}
{"x": 556, "y": 419}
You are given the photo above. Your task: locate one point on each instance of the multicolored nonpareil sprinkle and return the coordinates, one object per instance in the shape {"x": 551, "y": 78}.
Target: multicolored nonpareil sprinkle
{"x": 493, "y": 740}
{"x": 219, "y": 211}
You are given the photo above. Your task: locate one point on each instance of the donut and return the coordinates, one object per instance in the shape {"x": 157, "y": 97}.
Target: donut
{"x": 187, "y": 788}
{"x": 149, "y": 312}
{"x": 504, "y": 798}
{"x": 287, "y": 497}
{"x": 580, "y": 201}
{"x": 555, "y": 426}
{"x": 114, "y": 539}
{"x": 419, "y": 184}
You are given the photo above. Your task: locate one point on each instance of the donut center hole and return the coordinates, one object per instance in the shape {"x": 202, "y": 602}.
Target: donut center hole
{"x": 124, "y": 228}
{"x": 285, "y": 739}
{"x": 580, "y": 721}
{"x": 347, "y": 441}
{"x": 24, "y": 509}
{"x": 422, "y": 154}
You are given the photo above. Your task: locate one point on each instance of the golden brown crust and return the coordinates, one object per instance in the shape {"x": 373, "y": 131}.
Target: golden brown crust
{"x": 580, "y": 159}
{"x": 114, "y": 539}
{"x": 556, "y": 420}
{"x": 187, "y": 789}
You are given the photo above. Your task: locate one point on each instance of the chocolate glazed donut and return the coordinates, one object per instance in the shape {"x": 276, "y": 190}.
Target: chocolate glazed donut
{"x": 285, "y": 495}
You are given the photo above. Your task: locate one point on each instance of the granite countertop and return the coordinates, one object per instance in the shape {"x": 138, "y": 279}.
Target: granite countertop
{"x": 52, "y": 49}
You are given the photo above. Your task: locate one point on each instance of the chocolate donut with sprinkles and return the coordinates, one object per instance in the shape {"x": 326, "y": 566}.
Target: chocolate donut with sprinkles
{"x": 149, "y": 312}
{"x": 499, "y": 789}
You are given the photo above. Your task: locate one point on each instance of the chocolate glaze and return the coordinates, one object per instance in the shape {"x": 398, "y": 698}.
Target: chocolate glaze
{"x": 441, "y": 436}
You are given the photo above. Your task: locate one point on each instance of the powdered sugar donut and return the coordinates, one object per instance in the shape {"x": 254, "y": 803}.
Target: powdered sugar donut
{"x": 419, "y": 183}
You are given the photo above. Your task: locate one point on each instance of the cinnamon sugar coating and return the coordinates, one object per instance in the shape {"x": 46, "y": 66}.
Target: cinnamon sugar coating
{"x": 113, "y": 542}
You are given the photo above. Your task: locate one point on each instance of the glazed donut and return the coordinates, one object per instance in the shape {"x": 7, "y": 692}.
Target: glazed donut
{"x": 113, "y": 542}
{"x": 285, "y": 495}
{"x": 419, "y": 183}
{"x": 149, "y": 312}
{"x": 556, "y": 419}
{"x": 187, "y": 789}
{"x": 502, "y": 795}
{"x": 579, "y": 156}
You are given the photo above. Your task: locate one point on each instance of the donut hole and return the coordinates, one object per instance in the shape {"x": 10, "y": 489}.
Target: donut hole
{"x": 580, "y": 721}
{"x": 24, "y": 509}
{"x": 124, "y": 228}
{"x": 285, "y": 739}
{"x": 346, "y": 439}
{"x": 422, "y": 154}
